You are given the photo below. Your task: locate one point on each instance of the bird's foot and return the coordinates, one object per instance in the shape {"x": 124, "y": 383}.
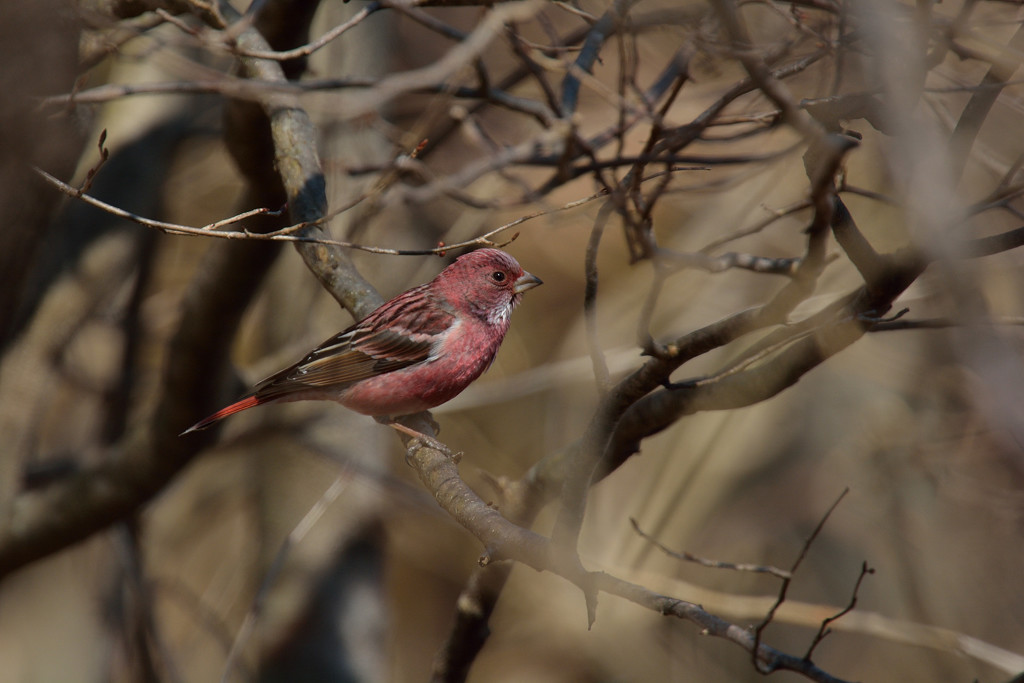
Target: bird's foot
{"x": 426, "y": 440}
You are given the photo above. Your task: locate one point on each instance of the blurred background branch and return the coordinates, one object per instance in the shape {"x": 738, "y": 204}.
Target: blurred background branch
{"x": 858, "y": 160}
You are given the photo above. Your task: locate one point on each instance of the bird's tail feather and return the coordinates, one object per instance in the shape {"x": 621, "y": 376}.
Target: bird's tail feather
{"x": 236, "y": 407}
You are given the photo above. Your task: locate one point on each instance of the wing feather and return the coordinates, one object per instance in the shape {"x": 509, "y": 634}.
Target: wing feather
{"x": 402, "y": 332}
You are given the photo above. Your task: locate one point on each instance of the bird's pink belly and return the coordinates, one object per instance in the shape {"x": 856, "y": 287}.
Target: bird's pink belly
{"x": 408, "y": 391}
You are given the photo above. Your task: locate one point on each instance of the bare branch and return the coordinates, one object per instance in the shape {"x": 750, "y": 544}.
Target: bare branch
{"x": 510, "y": 80}
{"x": 310, "y": 48}
{"x": 504, "y": 540}
{"x": 714, "y": 564}
{"x": 767, "y": 658}
{"x": 824, "y": 630}
{"x": 784, "y": 588}
{"x": 584, "y": 63}
{"x": 286, "y": 234}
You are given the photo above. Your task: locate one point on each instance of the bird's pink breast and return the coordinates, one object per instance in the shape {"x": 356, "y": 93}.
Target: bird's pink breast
{"x": 465, "y": 353}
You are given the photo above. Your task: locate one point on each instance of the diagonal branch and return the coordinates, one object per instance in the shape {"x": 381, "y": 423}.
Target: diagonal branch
{"x": 504, "y": 540}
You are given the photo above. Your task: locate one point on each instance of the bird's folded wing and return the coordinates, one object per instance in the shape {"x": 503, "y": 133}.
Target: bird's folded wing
{"x": 365, "y": 350}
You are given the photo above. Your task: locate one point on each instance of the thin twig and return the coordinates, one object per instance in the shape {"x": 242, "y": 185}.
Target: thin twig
{"x": 936, "y": 324}
{"x": 310, "y": 48}
{"x": 774, "y": 215}
{"x": 824, "y": 630}
{"x": 714, "y": 564}
{"x": 284, "y": 234}
{"x": 759, "y": 631}
{"x": 90, "y": 175}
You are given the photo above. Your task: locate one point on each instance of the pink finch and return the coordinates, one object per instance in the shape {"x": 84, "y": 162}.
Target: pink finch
{"x": 415, "y": 352}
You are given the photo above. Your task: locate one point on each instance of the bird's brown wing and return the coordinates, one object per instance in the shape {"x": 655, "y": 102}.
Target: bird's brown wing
{"x": 389, "y": 339}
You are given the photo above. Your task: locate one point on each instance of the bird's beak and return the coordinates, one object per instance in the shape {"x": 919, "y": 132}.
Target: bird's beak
{"x": 525, "y": 282}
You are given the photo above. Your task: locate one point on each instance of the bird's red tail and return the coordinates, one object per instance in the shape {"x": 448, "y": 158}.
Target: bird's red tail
{"x": 236, "y": 407}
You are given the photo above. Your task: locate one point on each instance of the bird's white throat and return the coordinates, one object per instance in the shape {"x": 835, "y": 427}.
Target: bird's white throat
{"x": 499, "y": 314}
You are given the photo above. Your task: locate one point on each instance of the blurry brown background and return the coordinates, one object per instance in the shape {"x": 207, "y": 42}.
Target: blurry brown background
{"x": 923, "y": 426}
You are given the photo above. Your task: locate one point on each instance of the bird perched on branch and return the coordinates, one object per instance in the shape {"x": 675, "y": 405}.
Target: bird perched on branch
{"x": 415, "y": 352}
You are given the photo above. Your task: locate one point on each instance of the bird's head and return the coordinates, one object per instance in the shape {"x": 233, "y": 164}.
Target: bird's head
{"x": 489, "y": 281}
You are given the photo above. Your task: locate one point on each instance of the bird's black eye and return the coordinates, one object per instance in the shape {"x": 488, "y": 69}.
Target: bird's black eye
{"x": 498, "y": 276}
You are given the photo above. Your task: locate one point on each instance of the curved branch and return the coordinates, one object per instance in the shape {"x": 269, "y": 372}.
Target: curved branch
{"x": 297, "y": 163}
{"x": 504, "y": 540}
